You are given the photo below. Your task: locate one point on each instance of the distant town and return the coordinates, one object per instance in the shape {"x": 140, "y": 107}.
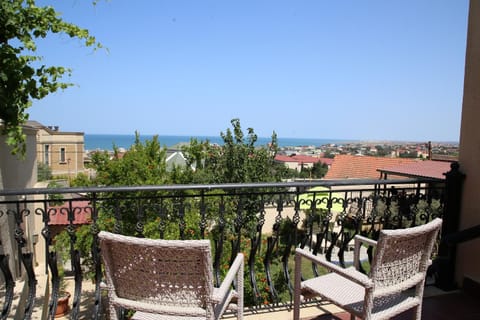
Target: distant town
{"x": 427, "y": 150}
{"x": 64, "y": 153}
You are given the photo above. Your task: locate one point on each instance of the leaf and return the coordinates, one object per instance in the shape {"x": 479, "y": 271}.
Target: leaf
{"x": 21, "y": 24}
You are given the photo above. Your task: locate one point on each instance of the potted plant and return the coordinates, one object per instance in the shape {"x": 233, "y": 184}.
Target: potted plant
{"x": 63, "y": 306}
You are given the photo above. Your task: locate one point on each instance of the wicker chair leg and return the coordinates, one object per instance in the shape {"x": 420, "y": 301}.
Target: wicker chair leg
{"x": 418, "y": 312}
{"x": 113, "y": 313}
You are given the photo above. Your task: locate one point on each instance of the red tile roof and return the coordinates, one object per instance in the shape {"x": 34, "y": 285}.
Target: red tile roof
{"x": 361, "y": 167}
{"x": 421, "y": 169}
{"x": 60, "y": 217}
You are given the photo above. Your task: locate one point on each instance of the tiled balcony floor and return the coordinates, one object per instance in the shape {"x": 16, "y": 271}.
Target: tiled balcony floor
{"x": 441, "y": 306}
{"x": 437, "y": 305}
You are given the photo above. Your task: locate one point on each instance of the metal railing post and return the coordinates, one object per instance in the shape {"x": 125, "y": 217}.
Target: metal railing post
{"x": 445, "y": 263}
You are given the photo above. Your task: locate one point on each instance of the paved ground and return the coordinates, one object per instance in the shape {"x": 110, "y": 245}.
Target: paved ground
{"x": 438, "y": 305}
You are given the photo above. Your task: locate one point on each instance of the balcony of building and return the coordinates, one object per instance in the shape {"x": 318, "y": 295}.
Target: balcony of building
{"x": 56, "y": 229}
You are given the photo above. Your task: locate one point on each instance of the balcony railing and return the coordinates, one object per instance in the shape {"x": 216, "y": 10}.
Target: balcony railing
{"x": 265, "y": 221}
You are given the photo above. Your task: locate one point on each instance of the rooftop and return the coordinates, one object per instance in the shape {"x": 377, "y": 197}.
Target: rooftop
{"x": 362, "y": 167}
{"x": 420, "y": 169}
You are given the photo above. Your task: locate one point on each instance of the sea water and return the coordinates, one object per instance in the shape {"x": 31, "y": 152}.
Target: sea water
{"x": 108, "y": 141}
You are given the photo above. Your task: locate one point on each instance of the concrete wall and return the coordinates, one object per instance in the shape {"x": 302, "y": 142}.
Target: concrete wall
{"x": 16, "y": 173}
{"x": 468, "y": 259}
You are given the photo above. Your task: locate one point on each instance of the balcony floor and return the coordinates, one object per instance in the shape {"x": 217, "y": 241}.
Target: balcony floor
{"x": 437, "y": 305}
{"x": 447, "y": 306}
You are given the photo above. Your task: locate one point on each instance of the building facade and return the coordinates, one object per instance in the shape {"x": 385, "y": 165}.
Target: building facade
{"x": 297, "y": 162}
{"x": 63, "y": 152}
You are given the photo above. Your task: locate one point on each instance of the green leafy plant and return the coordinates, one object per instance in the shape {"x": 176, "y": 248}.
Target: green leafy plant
{"x": 44, "y": 172}
{"x": 61, "y": 246}
{"x": 22, "y": 75}
{"x": 55, "y": 199}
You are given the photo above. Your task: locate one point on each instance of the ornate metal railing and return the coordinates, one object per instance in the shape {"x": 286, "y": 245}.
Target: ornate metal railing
{"x": 265, "y": 221}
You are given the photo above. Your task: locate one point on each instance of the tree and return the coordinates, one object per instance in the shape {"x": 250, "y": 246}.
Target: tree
{"x": 44, "y": 172}
{"x": 237, "y": 161}
{"x": 81, "y": 180}
{"x": 143, "y": 164}
{"x": 319, "y": 170}
{"x": 22, "y": 75}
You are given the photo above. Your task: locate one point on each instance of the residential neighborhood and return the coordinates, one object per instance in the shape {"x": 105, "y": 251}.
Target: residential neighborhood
{"x": 64, "y": 153}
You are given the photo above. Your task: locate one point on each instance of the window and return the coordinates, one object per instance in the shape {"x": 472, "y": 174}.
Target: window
{"x": 46, "y": 154}
{"x": 62, "y": 155}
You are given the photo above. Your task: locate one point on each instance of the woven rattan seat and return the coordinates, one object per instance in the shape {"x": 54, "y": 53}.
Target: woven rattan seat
{"x": 395, "y": 282}
{"x": 167, "y": 279}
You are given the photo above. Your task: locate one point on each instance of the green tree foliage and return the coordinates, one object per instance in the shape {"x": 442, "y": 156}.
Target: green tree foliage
{"x": 142, "y": 164}
{"x": 408, "y": 154}
{"x": 319, "y": 170}
{"x": 329, "y": 154}
{"x": 383, "y": 151}
{"x": 22, "y": 75}
{"x": 238, "y": 160}
{"x": 55, "y": 199}
{"x": 81, "y": 180}
{"x": 44, "y": 172}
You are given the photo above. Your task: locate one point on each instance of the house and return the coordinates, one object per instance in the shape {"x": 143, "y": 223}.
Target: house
{"x": 174, "y": 159}
{"x": 62, "y": 151}
{"x": 418, "y": 169}
{"x": 362, "y": 167}
{"x": 297, "y": 162}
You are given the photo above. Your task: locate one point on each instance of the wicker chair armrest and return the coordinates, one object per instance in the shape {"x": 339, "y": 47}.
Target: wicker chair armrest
{"x": 359, "y": 240}
{"x": 349, "y": 274}
{"x": 229, "y": 278}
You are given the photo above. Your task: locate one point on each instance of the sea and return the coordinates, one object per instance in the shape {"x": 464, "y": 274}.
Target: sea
{"x": 108, "y": 141}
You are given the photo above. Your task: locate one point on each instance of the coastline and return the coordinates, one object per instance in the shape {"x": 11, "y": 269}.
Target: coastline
{"x": 107, "y": 141}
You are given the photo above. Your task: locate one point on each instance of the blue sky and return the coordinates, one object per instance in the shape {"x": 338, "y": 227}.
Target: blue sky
{"x": 368, "y": 70}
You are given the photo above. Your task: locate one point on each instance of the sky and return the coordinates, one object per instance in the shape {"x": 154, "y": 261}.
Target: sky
{"x": 343, "y": 69}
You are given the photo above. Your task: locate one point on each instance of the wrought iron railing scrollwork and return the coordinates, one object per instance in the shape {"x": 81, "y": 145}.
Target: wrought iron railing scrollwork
{"x": 25, "y": 256}
{"x": 9, "y": 285}
{"x": 265, "y": 222}
{"x": 53, "y": 264}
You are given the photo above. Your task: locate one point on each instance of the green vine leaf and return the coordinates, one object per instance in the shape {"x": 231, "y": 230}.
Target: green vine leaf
{"x": 22, "y": 22}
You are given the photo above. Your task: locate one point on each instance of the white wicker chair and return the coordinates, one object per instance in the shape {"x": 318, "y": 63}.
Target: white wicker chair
{"x": 167, "y": 279}
{"x": 400, "y": 263}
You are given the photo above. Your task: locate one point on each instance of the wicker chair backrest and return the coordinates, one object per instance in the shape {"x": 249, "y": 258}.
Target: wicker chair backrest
{"x": 163, "y": 272}
{"x": 403, "y": 255}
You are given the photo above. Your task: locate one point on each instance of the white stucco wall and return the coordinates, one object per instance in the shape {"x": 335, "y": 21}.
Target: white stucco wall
{"x": 16, "y": 173}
